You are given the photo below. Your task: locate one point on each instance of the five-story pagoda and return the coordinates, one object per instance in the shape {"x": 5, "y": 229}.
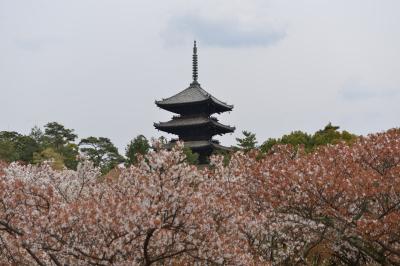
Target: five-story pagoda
{"x": 194, "y": 124}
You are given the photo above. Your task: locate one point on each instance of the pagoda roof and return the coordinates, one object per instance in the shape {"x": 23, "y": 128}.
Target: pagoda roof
{"x": 178, "y": 122}
{"x": 193, "y": 95}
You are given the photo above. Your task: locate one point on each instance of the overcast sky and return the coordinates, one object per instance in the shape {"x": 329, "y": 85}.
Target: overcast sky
{"x": 98, "y": 65}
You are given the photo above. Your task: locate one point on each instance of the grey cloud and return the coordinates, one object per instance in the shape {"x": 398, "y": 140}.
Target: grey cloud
{"x": 223, "y": 33}
{"x": 29, "y": 45}
{"x": 354, "y": 91}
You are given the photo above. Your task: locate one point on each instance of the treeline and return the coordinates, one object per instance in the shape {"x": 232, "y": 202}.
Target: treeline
{"x": 328, "y": 135}
{"x": 59, "y": 144}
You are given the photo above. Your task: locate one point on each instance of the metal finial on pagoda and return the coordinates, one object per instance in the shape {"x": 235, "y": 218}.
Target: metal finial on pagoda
{"x": 195, "y": 68}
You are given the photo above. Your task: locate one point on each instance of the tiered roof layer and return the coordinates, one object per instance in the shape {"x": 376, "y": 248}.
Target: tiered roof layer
{"x": 178, "y": 123}
{"x": 194, "y": 95}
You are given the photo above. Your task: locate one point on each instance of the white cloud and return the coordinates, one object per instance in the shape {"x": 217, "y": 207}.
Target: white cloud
{"x": 221, "y": 33}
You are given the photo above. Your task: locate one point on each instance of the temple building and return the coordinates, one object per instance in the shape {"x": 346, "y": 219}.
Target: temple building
{"x": 194, "y": 123}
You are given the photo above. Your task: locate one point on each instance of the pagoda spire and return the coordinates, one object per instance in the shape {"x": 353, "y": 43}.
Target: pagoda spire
{"x": 195, "y": 68}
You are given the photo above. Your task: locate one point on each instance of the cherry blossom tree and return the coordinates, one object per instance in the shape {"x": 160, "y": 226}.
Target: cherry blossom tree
{"x": 155, "y": 212}
{"x": 339, "y": 204}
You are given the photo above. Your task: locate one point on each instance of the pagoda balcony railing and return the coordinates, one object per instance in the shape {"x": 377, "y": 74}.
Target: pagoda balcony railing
{"x": 193, "y": 116}
{"x": 189, "y": 116}
{"x": 212, "y": 140}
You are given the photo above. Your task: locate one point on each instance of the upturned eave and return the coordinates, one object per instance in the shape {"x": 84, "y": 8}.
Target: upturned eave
{"x": 193, "y": 95}
{"x": 175, "y": 125}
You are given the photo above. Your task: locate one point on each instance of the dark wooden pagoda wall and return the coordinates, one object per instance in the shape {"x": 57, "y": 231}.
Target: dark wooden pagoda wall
{"x": 193, "y": 134}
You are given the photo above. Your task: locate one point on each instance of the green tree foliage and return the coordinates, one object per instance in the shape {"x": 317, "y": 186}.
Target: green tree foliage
{"x": 26, "y": 146}
{"x": 37, "y": 134}
{"x": 7, "y": 151}
{"x": 17, "y": 147}
{"x": 102, "y": 152}
{"x": 329, "y": 135}
{"x": 48, "y": 154}
{"x": 7, "y": 146}
{"x": 248, "y": 142}
{"x": 268, "y": 144}
{"x": 57, "y": 135}
{"x": 190, "y": 156}
{"x": 9, "y": 136}
{"x": 296, "y": 138}
{"x": 70, "y": 153}
{"x": 139, "y": 145}
{"x": 61, "y": 140}
{"x": 56, "y": 143}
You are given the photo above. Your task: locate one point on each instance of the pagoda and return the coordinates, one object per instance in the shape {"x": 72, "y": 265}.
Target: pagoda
{"x": 194, "y": 123}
